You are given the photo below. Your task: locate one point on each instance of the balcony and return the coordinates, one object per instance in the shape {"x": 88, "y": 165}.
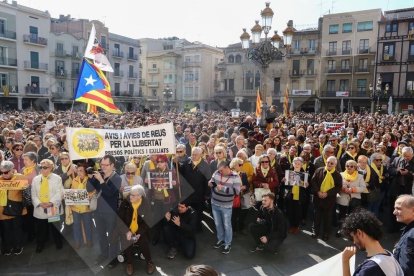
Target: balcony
{"x": 35, "y": 66}
{"x": 331, "y": 52}
{"x": 76, "y": 55}
{"x": 133, "y": 75}
{"x": 13, "y": 89}
{"x": 346, "y": 51}
{"x": 310, "y": 73}
{"x": 365, "y": 51}
{"x": 153, "y": 84}
{"x": 117, "y": 54}
{"x": 296, "y": 73}
{"x": 60, "y": 73}
{"x": 351, "y": 94}
{"x": 362, "y": 70}
{"x": 60, "y": 53}
{"x": 8, "y": 35}
{"x": 247, "y": 92}
{"x": 153, "y": 70}
{"x": 133, "y": 57}
{"x": 225, "y": 93}
{"x": 388, "y": 58}
{"x": 38, "y": 91}
{"x": 5, "y": 62}
{"x": 141, "y": 82}
{"x": 34, "y": 39}
{"x": 118, "y": 73}
{"x": 74, "y": 73}
{"x": 192, "y": 64}
{"x": 338, "y": 70}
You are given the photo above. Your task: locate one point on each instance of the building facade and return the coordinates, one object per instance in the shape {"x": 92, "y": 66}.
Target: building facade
{"x": 395, "y": 60}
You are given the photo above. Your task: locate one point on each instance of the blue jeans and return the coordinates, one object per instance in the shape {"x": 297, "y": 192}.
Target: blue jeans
{"x": 78, "y": 219}
{"x": 222, "y": 219}
{"x": 105, "y": 224}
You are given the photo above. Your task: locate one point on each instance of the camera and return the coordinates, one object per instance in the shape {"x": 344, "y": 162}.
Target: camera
{"x": 90, "y": 170}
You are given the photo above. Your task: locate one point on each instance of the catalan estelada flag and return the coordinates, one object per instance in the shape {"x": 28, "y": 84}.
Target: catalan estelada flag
{"x": 286, "y": 102}
{"x": 92, "y": 109}
{"x": 258, "y": 105}
{"x": 93, "y": 88}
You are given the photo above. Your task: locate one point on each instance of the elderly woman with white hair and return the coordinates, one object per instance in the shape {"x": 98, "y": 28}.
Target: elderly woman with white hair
{"x": 134, "y": 229}
{"x": 246, "y": 167}
{"x": 129, "y": 178}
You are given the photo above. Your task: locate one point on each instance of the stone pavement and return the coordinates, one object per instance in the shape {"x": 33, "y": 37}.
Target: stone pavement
{"x": 297, "y": 253}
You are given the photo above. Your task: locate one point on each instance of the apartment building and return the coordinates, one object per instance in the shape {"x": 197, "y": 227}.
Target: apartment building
{"x": 177, "y": 74}
{"x": 347, "y": 59}
{"x": 303, "y": 61}
{"x": 238, "y": 79}
{"x": 395, "y": 59}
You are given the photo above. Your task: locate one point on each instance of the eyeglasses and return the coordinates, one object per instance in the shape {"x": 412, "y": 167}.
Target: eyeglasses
{"x": 350, "y": 133}
{"x": 4, "y": 172}
{"x": 350, "y": 166}
{"x": 45, "y": 168}
{"x": 179, "y": 151}
{"x": 331, "y": 163}
{"x": 137, "y": 157}
{"x": 64, "y": 158}
{"x": 218, "y": 152}
{"x": 18, "y": 149}
{"x": 264, "y": 162}
{"x": 378, "y": 160}
{"x": 351, "y": 148}
{"x": 130, "y": 173}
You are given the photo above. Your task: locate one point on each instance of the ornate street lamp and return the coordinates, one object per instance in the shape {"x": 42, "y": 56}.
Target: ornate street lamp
{"x": 377, "y": 93}
{"x": 264, "y": 51}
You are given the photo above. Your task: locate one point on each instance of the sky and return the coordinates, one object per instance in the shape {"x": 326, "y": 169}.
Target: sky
{"x": 213, "y": 22}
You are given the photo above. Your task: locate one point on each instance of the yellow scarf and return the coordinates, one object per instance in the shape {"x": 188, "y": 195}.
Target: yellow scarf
{"x": 80, "y": 184}
{"x": 44, "y": 190}
{"x": 264, "y": 171}
{"x": 272, "y": 163}
{"x": 134, "y": 223}
{"x": 368, "y": 175}
{"x": 305, "y": 166}
{"x": 321, "y": 148}
{"x": 324, "y": 159}
{"x": 339, "y": 154}
{"x": 295, "y": 192}
{"x": 68, "y": 181}
{"x": 166, "y": 194}
{"x": 379, "y": 172}
{"x": 328, "y": 181}
{"x": 352, "y": 156}
{"x": 151, "y": 166}
{"x": 29, "y": 170}
{"x": 350, "y": 177}
{"x": 138, "y": 171}
{"x": 130, "y": 180}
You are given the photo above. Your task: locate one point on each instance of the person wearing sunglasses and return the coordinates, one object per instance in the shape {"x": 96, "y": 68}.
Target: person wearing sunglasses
{"x": 66, "y": 170}
{"x": 353, "y": 185}
{"x": 220, "y": 154}
{"x": 129, "y": 179}
{"x": 11, "y": 224}
{"x": 351, "y": 153}
{"x": 378, "y": 182}
{"x": 47, "y": 195}
{"x": 17, "y": 157}
{"x": 265, "y": 176}
{"x": 325, "y": 184}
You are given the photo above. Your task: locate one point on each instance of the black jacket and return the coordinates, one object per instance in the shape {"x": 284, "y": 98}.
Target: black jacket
{"x": 276, "y": 225}
{"x": 316, "y": 183}
{"x": 108, "y": 201}
{"x": 404, "y": 250}
{"x": 197, "y": 178}
{"x": 188, "y": 222}
{"x": 126, "y": 211}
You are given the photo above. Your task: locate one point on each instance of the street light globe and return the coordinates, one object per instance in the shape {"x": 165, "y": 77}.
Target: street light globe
{"x": 276, "y": 39}
{"x": 267, "y": 15}
{"x": 256, "y": 32}
{"x": 245, "y": 39}
{"x": 288, "y": 33}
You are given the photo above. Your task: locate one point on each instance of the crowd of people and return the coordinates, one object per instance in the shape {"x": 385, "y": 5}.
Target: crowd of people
{"x": 345, "y": 173}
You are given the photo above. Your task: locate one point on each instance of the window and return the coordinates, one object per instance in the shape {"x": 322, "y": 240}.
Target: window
{"x": 331, "y": 66}
{"x": 34, "y": 60}
{"x": 391, "y": 27}
{"x": 131, "y": 71}
{"x": 131, "y": 54}
{"x": 363, "y": 65}
{"x": 411, "y": 26}
{"x": 295, "y": 84}
{"x": 3, "y": 79}
{"x": 238, "y": 58}
{"x": 345, "y": 66}
{"x": 257, "y": 80}
{"x": 296, "y": 44}
{"x": 347, "y": 27}
{"x": 343, "y": 85}
{"x": 103, "y": 42}
{"x": 3, "y": 56}
{"x": 154, "y": 92}
{"x": 389, "y": 51}
{"x": 310, "y": 67}
{"x": 167, "y": 46}
{"x": 154, "y": 65}
{"x": 309, "y": 84}
{"x": 411, "y": 50}
{"x": 188, "y": 92}
{"x": 312, "y": 44}
{"x": 75, "y": 50}
{"x": 60, "y": 68}
{"x": 332, "y": 47}
{"x": 2, "y": 26}
{"x": 117, "y": 88}
{"x": 362, "y": 87}
{"x": 33, "y": 32}
{"x": 330, "y": 85}
{"x": 117, "y": 67}
{"x": 363, "y": 46}
{"x": 231, "y": 59}
{"x": 276, "y": 86}
{"x": 295, "y": 67}
{"x": 60, "y": 86}
{"x": 75, "y": 68}
{"x": 346, "y": 47}
{"x": 333, "y": 29}
{"x": 131, "y": 88}
{"x": 248, "y": 80}
{"x": 35, "y": 84}
{"x": 231, "y": 84}
{"x": 364, "y": 26}
{"x": 188, "y": 75}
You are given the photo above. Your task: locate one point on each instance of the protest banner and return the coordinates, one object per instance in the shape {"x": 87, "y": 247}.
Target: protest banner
{"x": 160, "y": 180}
{"x": 296, "y": 178}
{"x": 333, "y": 126}
{"x": 17, "y": 184}
{"x": 86, "y": 143}
{"x": 76, "y": 197}
{"x": 331, "y": 266}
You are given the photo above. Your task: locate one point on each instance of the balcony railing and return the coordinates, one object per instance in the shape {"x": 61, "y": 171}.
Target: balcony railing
{"x": 36, "y": 90}
{"x": 117, "y": 54}
{"x": 141, "y": 82}
{"x": 347, "y": 51}
{"x": 60, "y": 73}
{"x": 118, "y": 73}
{"x": 296, "y": 73}
{"x": 133, "y": 57}
{"x": 364, "y": 51}
{"x": 60, "y": 53}
{"x": 133, "y": 75}
{"x": 223, "y": 93}
{"x": 331, "y": 52}
{"x": 362, "y": 69}
{"x": 34, "y": 39}
{"x": 13, "y": 89}
{"x": 247, "y": 92}
{"x": 386, "y": 58}
{"x": 8, "y": 61}
{"x": 74, "y": 73}
{"x": 311, "y": 72}
{"x": 8, "y": 34}
{"x": 338, "y": 70}
{"x": 76, "y": 55}
{"x": 192, "y": 64}
{"x": 153, "y": 84}
{"x": 35, "y": 65}
{"x": 153, "y": 70}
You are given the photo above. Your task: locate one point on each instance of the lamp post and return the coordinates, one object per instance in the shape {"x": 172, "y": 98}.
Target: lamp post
{"x": 377, "y": 93}
{"x": 264, "y": 51}
{"x": 168, "y": 93}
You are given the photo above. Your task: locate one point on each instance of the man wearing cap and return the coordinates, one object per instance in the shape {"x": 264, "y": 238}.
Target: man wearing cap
{"x": 224, "y": 184}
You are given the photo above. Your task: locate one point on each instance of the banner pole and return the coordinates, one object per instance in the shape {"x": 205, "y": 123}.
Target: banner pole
{"x": 178, "y": 177}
